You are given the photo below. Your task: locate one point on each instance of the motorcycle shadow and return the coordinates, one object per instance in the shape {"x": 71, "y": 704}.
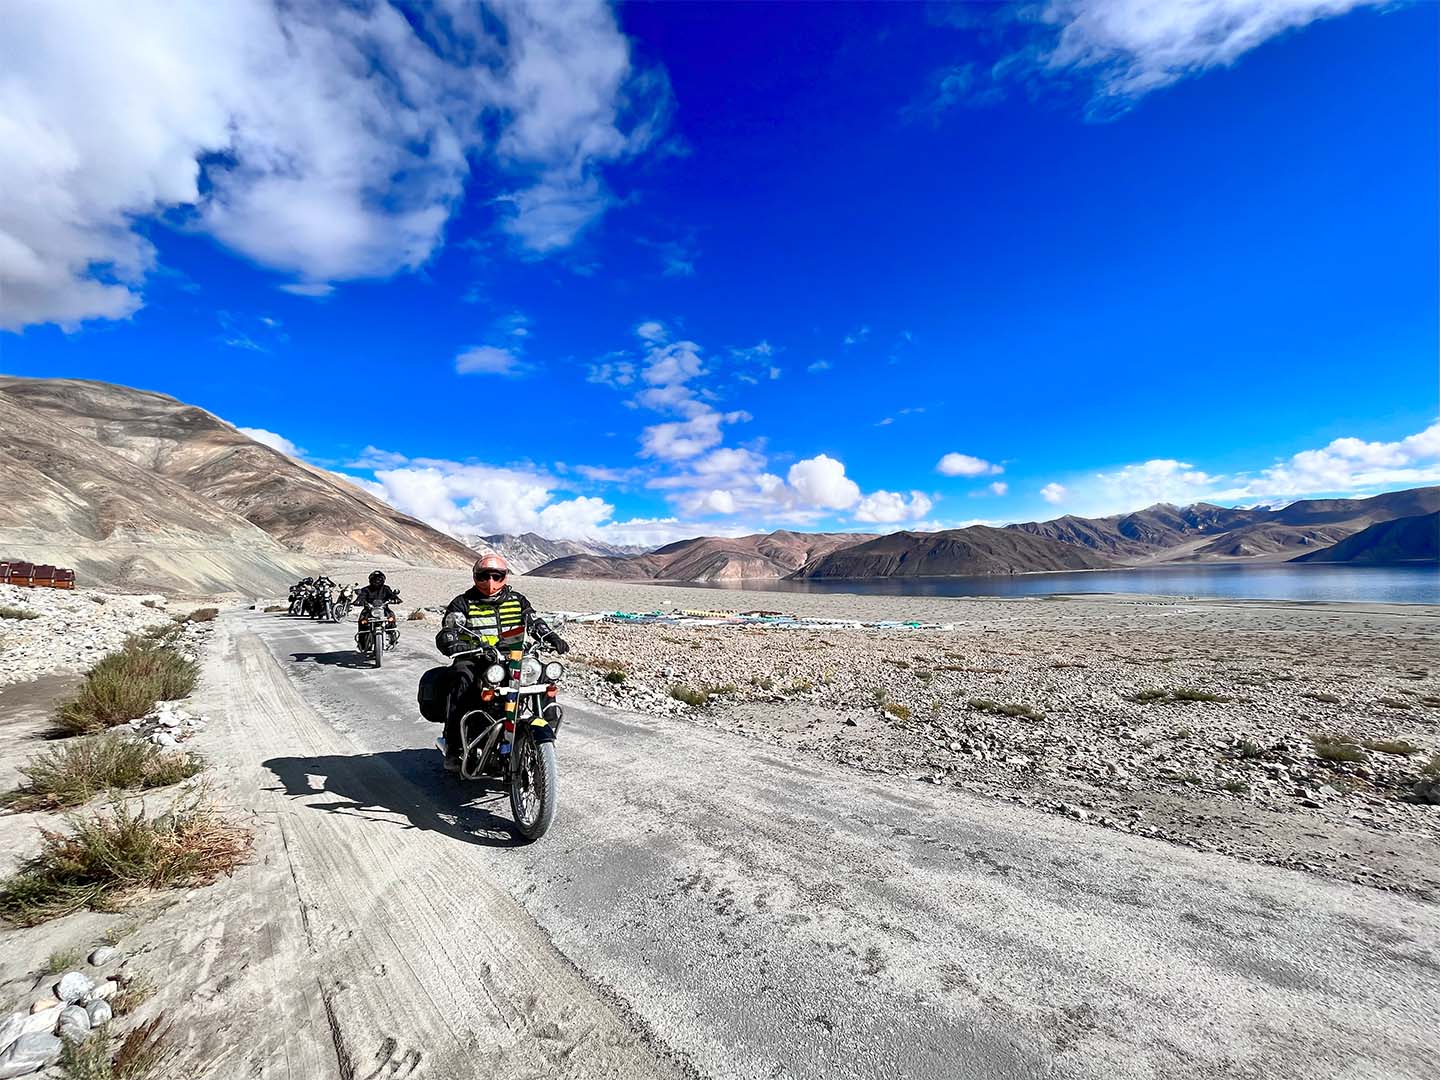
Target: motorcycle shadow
{"x": 346, "y": 658}
{"x": 407, "y": 783}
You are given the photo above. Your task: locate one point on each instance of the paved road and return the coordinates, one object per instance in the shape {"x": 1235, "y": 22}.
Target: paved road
{"x": 755, "y": 913}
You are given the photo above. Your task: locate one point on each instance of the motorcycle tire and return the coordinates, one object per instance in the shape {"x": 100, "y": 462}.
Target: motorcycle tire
{"x": 534, "y": 787}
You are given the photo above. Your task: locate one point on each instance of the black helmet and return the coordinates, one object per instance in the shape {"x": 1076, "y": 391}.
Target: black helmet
{"x": 377, "y": 578}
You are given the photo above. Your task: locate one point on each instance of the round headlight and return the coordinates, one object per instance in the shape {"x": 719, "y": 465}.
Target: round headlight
{"x": 553, "y": 670}
{"x": 495, "y": 674}
{"x": 529, "y": 670}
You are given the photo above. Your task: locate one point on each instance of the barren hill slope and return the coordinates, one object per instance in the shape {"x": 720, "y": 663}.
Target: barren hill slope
{"x": 66, "y": 499}
{"x": 979, "y": 549}
{"x": 525, "y": 551}
{"x": 1400, "y": 540}
{"x": 762, "y": 556}
{"x": 302, "y": 507}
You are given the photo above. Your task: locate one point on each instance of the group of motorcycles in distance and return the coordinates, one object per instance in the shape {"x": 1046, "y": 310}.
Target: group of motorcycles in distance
{"x": 321, "y": 598}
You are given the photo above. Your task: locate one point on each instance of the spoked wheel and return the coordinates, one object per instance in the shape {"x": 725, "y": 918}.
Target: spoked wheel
{"x": 534, "y": 787}
{"x": 377, "y": 644}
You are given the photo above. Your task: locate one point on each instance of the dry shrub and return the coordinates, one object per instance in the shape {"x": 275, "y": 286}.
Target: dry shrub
{"x": 272, "y": 608}
{"x": 101, "y": 857}
{"x": 8, "y": 612}
{"x": 77, "y": 771}
{"x": 1337, "y": 748}
{"x": 126, "y": 685}
{"x": 689, "y": 695}
{"x": 415, "y": 616}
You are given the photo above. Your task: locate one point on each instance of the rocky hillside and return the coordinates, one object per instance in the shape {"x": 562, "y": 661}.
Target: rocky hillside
{"x": 1204, "y": 532}
{"x": 760, "y": 557}
{"x": 1404, "y": 540}
{"x": 136, "y": 488}
{"x": 976, "y": 550}
{"x": 525, "y": 551}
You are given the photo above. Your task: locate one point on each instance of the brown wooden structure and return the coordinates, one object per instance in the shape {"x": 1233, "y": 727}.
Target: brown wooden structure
{"x": 36, "y": 576}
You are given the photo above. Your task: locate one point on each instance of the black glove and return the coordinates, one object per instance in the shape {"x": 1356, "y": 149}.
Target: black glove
{"x": 448, "y": 640}
{"x": 557, "y": 643}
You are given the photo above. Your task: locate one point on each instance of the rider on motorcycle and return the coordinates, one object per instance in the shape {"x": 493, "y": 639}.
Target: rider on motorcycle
{"x": 490, "y": 608}
{"x": 376, "y": 593}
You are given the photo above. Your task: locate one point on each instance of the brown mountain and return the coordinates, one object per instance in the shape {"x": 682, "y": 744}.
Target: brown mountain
{"x": 65, "y": 499}
{"x": 976, "y": 550}
{"x": 763, "y": 556}
{"x": 1402, "y": 540}
{"x": 304, "y": 508}
{"x": 1203, "y": 532}
{"x": 525, "y": 551}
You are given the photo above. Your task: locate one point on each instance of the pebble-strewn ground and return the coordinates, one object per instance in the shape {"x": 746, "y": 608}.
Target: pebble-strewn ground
{"x": 1299, "y": 734}
{"x": 72, "y": 630}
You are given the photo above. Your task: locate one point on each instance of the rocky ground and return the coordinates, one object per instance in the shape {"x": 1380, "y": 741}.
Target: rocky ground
{"x": 1305, "y": 735}
{"x": 69, "y": 630}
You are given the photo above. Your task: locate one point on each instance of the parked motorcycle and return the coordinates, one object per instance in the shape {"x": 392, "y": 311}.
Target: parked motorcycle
{"x": 510, "y": 733}
{"x": 378, "y": 632}
{"x": 297, "y": 599}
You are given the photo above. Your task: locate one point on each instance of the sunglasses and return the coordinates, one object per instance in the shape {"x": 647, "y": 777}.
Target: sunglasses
{"x": 493, "y": 575}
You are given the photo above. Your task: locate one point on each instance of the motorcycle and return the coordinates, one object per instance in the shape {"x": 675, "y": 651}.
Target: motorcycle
{"x": 297, "y": 599}
{"x": 319, "y": 607}
{"x": 511, "y": 731}
{"x": 343, "y": 602}
{"x": 378, "y": 632}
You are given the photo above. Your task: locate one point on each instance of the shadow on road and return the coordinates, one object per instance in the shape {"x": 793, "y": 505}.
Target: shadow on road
{"x": 405, "y": 782}
{"x": 346, "y": 658}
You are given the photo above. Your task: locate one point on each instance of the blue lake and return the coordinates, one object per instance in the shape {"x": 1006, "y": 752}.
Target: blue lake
{"x": 1418, "y": 584}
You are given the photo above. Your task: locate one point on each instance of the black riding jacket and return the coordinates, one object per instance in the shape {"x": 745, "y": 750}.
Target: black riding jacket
{"x": 489, "y": 616}
{"x": 377, "y": 594}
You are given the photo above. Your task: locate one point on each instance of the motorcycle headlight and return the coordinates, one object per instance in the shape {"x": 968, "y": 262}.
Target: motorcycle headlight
{"x": 529, "y": 670}
{"x": 495, "y": 674}
{"x": 553, "y": 670}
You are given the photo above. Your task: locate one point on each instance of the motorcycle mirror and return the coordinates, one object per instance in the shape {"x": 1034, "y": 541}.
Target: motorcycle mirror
{"x": 454, "y": 620}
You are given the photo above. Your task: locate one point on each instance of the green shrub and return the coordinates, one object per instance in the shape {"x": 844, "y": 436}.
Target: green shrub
{"x": 204, "y": 614}
{"x": 77, "y": 771}
{"x": 126, "y": 685}
{"x": 101, "y": 857}
{"x": 1169, "y": 697}
{"x": 897, "y": 710}
{"x": 1337, "y": 748}
{"x": 8, "y": 612}
{"x": 616, "y": 677}
{"x": 800, "y": 686}
{"x": 689, "y": 695}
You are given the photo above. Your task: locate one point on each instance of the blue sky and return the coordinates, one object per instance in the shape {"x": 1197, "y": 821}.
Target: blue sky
{"x": 658, "y": 270}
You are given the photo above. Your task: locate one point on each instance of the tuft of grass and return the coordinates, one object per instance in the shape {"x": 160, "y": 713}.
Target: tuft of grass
{"x": 1170, "y": 697}
{"x": 1000, "y": 708}
{"x": 898, "y": 711}
{"x": 1432, "y": 768}
{"x": 8, "y": 612}
{"x": 605, "y": 663}
{"x": 616, "y": 677}
{"x": 902, "y": 664}
{"x": 153, "y": 604}
{"x": 77, "y": 771}
{"x": 800, "y": 686}
{"x": 689, "y": 695}
{"x": 1392, "y": 703}
{"x": 1068, "y": 664}
{"x": 1336, "y": 748}
{"x": 415, "y": 616}
{"x": 144, "y": 1054}
{"x": 101, "y": 857}
{"x": 60, "y": 962}
{"x": 924, "y": 674}
{"x": 762, "y": 682}
{"x": 1248, "y": 750}
{"x": 125, "y": 685}
{"x": 119, "y": 933}
{"x": 1328, "y": 699}
{"x": 204, "y": 614}
{"x": 1399, "y": 747}
{"x": 140, "y": 989}
{"x": 1238, "y": 787}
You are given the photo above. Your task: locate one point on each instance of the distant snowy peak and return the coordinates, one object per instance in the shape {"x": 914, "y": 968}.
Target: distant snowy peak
{"x": 525, "y": 551}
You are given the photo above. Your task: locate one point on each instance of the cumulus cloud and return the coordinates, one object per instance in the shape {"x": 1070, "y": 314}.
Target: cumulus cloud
{"x": 888, "y": 507}
{"x": 327, "y": 141}
{"x": 1053, "y": 493}
{"x": 272, "y": 440}
{"x": 820, "y": 482}
{"x": 965, "y": 465}
{"x": 1350, "y": 464}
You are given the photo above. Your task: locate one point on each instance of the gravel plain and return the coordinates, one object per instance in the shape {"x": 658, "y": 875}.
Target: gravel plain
{"x": 1300, "y": 734}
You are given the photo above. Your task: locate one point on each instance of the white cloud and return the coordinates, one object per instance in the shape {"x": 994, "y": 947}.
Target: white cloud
{"x": 329, "y": 141}
{"x": 1350, "y": 465}
{"x": 315, "y": 289}
{"x": 681, "y": 439}
{"x": 888, "y": 507}
{"x": 1135, "y": 46}
{"x": 857, "y": 336}
{"x": 651, "y": 331}
{"x": 1053, "y": 493}
{"x": 487, "y": 360}
{"x": 820, "y": 482}
{"x": 1160, "y": 480}
{"x": 818, "y": 366}
{"x": 965, "y": 465}
{"x": 999, "y": 487}
{"x": 272, "y": 440}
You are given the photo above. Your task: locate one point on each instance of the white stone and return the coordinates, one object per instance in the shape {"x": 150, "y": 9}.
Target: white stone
{"x": 103, "y": 990}
{"x": 74, "y": 1024}
{"x": 99, "y": 1013}
{"x": 28, "y": 1054}
{"x": 164, "y": 738}
{"x": 73, "y": 986}
{"x": 106, "y": 954}
{"x": 12, "y": 1028}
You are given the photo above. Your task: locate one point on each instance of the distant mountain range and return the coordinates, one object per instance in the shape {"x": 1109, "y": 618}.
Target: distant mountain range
{"x": 1403, "y": 540}
{"x": 526, "y": 551}
{"x": 762, "y": 556}
{"x": 138, "y": 489}
{"x": 1158, "y": 534}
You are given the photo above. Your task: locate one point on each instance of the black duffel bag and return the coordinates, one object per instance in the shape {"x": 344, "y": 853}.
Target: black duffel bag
{"x": 434, "y": 689}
